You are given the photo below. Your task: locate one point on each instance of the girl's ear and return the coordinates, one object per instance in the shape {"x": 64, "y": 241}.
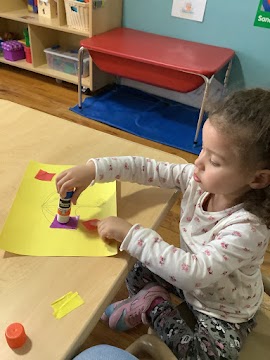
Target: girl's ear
{"x": 261, "y": 179}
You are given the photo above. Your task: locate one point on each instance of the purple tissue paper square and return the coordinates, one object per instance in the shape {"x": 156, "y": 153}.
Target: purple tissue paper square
{"x": 71, "y": 224}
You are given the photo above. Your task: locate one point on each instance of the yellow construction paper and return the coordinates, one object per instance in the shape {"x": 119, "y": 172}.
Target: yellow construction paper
{"x": 27, "y": 229}
{"x": 66, "y": 304}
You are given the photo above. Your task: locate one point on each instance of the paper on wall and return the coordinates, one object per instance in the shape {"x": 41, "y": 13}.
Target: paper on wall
{"x": 189, "y": 9}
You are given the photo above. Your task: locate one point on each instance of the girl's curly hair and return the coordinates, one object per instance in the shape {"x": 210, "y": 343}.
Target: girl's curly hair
{"x": 244, "y": 116}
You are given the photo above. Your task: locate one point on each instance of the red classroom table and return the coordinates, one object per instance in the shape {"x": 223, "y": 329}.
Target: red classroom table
{"x": 170, "y": 63}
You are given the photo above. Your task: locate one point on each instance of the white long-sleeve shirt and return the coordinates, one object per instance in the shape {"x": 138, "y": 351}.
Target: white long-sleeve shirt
{"x": 218, "y": 263}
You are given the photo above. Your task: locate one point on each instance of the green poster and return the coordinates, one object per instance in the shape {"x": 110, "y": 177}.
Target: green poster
{"x": 262, "y": 18}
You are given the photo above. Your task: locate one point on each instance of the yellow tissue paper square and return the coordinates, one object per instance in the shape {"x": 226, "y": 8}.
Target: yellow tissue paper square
{"x": 66, "y": 304}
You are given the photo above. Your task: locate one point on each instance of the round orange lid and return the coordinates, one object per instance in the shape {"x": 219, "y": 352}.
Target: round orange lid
{"x": 15, "y": 335}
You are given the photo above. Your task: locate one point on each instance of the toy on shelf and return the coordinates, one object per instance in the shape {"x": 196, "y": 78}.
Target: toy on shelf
{"x": 27, "y": 48}
{"x": 28, "y": 54}
{"x": 9, "y": 36}
{"x": 33, "y": 6}
{"x": 5, "y": 37}
{"x": 26, "y": 37}
{"x": 47, "y": 8}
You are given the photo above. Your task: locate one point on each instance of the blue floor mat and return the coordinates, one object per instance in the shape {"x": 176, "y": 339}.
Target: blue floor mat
{"x": 145, "y": 115}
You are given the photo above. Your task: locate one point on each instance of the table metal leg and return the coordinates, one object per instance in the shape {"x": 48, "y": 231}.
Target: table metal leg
{"x": 199, "y": 122}
{"x": 226, "y": 77}
{"x": 80, "y": 66}
{"x": 206, "y": 90}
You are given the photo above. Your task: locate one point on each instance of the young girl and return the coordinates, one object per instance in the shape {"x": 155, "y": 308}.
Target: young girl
{"x": 224, "y": 228}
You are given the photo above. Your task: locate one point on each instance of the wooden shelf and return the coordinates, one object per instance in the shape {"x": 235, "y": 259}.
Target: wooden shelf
{"x": 26, "y": 17}
{"x": 22, "y": 64}
{"x": 47, "y": 32}
{"x": 45, "y": 70}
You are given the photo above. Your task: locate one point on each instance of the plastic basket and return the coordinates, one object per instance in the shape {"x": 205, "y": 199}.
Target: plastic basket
{"x": 77, "y": 14}
{"x": 66, "y": 61}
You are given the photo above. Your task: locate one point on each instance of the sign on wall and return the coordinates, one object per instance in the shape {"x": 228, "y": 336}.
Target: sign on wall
{"x": 189, "y": 9}
{"x": 262, "y": 18}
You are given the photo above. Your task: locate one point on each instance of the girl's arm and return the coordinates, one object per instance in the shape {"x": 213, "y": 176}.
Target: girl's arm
{"x": 126, "y": 168}
{"x": 223, "y": 255}
{"x": 143, "y": 171}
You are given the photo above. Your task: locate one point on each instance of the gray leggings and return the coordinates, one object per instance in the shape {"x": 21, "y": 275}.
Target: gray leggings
{"x": 211, "y": 338}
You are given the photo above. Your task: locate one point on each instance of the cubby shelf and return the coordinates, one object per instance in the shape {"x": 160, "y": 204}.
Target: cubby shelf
{"x": 45, "y": 70}
{"x": 45, "y": 32}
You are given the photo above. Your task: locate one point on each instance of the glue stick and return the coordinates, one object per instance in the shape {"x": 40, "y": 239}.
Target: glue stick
{"x": 64, "y": 208}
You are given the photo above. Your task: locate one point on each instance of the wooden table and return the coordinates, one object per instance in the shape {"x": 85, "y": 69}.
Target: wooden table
{"x": 28, "y": 285}
{"x": 170, "y": 63}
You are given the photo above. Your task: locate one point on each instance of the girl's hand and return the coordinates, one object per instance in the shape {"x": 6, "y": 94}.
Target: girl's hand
{"x": 78, "y": 178}
{"x": 113, "y": 227}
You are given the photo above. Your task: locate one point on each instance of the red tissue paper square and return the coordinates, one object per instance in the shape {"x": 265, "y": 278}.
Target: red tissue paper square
{"x": 90, "y": 224}
{"x": 44, "y": 175}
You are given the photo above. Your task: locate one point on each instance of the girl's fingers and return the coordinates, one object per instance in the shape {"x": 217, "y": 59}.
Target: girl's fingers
{"x": 76, "y": 195}
{"x": 67, "y": 186}
{"x": 59, "y": 177}
{"x": 100, "y": 226}
{"x": 94, "y": 222}
{"x": 60, "y": 181}
{"x": 75, "y": 198}
{"x": 102, "y": 234}
{"x": 109, "y": 241}
{"x": 103, "y": 231}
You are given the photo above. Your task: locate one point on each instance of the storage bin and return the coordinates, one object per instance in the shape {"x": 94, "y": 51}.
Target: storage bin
{"x": 66, "y": 60}
{"x": 77, "y": 14}
{"x": 13, "y": 50}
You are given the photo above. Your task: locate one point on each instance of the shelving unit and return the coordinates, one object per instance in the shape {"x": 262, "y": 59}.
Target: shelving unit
{"x": 45, "y": 33}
